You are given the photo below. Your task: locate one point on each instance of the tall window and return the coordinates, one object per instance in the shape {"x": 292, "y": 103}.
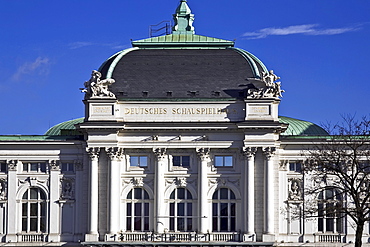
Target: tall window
{"x": 34, "y": 211}
{"x": 181, "y": 210}
{"x": 223, "y": 211}
{"x": 330, "y": 220}
{"x": 137, "y": 210}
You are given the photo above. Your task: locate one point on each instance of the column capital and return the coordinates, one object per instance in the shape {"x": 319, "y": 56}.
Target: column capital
{"x": 114, "y": 153}
{"x": 269, "y": 152}
{"x": 12, "y": 165}
{"x": 54, "y": 165}
{"x": 249, "y": 152}
{"x": 203, "y": 153}
{"x": 93, "y": 152}
{"x": 160, "y": 153}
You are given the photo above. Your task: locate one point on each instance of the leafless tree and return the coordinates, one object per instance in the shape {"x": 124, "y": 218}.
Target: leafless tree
{"x": 337, "y": 176}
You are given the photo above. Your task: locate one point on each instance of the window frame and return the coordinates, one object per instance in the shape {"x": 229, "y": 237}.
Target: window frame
{"x": 139, "y": 156}
{"x": 218, "y": 205}
{"x": 69, "y": 165}
{"x": 181, "y": 161}
{"x": 30, "y": 166}
{"x": 133, "y": 205}
{"x": 186, "y": 205}
{"x": 217, "y": 157}
{"x": 29, "y": 204}
{"x": 325, "y": 223}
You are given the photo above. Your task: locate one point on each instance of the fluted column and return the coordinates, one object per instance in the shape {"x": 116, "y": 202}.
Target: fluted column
{"x": 203, "y": 211}
{"x": 115, "y": 155}
{"x": 159, "y": 189}
{"x": 249, "y": 153}
{"x": 94, "y": 190}
{"x": 269, "y": 190}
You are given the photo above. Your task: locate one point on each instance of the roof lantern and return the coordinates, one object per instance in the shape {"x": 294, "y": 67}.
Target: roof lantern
{"x": 183, "y": 19}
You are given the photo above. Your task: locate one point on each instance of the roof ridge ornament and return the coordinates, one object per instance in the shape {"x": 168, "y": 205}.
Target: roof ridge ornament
{"x": 97, "y": 88}
{"x": 270, "y": 88}
{"x": 183, "y": 19}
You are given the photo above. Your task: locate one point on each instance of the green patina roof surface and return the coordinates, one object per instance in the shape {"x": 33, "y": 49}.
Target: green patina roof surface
{"x": 182, "y": 40}
{"x": 67, "y": 127}
{"x": 301, "y": 128}
{"x": 296, "y": 128}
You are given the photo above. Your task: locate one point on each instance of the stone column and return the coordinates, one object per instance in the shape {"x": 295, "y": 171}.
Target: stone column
{"x": 159, "y": 220}
{"x": 12, "y": 202}
{"x": 249, "y": 153}
{"x": 115, "y": 155}
{"x": 269, "y": 190}
{"x": 54, "y": 213}
{"x": 203, "y": 211}
{"x": 93, "y": 234}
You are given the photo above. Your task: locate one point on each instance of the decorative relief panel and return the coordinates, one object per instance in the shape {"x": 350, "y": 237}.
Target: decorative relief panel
{"x": 3, "y": 189}
{"x": 67, "y": 188}
{"x": 294, "y": 189}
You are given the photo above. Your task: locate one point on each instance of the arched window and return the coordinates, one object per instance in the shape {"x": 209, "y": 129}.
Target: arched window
{"x": 137, "y": 210}
{"x": 181, "y": 210}
{"x": 330, "y": 218}
{"x": 223, "y": 211}
{"x": 34, "y": 210}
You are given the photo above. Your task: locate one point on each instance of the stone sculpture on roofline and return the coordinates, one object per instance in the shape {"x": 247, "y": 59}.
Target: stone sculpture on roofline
{"x": 270, "y": 88}
{"x": 97, "y": 88}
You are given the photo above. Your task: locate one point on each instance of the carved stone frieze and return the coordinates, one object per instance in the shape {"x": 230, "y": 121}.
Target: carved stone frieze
{"x": 283, "y": 165}
{"x": 181, "y": 181}
{"x": 137, "y": 181}
{"x": 97, "y": 88}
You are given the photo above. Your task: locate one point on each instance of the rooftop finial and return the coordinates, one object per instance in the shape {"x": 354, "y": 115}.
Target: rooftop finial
{"x": 183, "y": 19}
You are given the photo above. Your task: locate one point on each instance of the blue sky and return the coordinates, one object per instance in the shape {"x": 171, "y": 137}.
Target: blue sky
{"x": 319, "y": 48}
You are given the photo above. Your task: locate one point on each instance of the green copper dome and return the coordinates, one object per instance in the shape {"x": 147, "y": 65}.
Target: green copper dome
{"x": 301, "y": 128}
{"x": 65, "y": 128}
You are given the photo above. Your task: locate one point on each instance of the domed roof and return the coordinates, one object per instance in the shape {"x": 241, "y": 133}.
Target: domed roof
{"x": 65, "y": 128}
{"x": 296, "y": 128}
{"x": 301, "y": 128}
{"x": 182, "y": 65}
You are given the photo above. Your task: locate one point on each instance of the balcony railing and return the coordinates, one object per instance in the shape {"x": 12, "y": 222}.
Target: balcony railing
{"x": 27, "y": 237}
{"x": 329, "y": 238}
{"x": 180, "y": 237}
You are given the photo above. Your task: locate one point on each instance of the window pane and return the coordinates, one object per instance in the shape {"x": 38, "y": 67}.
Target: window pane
{"x": 137, "y": 193}
{"x": 128, "y": 224}
{"x": 215, "y": 195}
{"x": 224, "y": 226}
{"x": 186, "y": 161}
{"x": 146, "y": 209}
{"x": 232, "y": 209}
{"x": 24, "y": 209}
{"x": 43, "y": 224}
{"x": 146, "y": 195}
{"x": 25, "y": 167}
{"x": 189, "y": 209}
{"x": 232, "y": 195}
{"x": 24, "y": 224}
{"x": 215, "y": 224}
{"x": 232, "y": 224}
{"x": 180, "y": 209}
{"x": 137, "y": 208}
{"x": 219, "y": 161}
{"x": 189, "y": 224}
{"x": 214, "y": 209}
{"x": 172, "y": 224}
{"x": 180, "y": 224}
{"x": 137, "y": 223}
{"x": 172, "y": 209}
{"x": 188, "y": 195}
{"x": 134, "y": 161}
{"x": 34, "y": 167}
{"x": 228, "y": 161}
{"x": 43, "y": 167}
{"x": 33, "y": 224}
{"x": 176, "y": 160}
{"x": 42, "y": 195}
{"x": 33, "y": 209}
{"x": 128, "y": 209}
{"x": 33, "y": 193}
{"x": 143, "y": 161}
{"x": 181, "y": 193}
{"x": 146, "y": 224}
{"x": 129, "y": 195}
{"x": 172, "y": 196}
{"x": 223, "y": 211}
{"x": 223, "y": 193}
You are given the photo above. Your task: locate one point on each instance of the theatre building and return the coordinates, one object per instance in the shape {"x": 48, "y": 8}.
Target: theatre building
{"x": 181, "y": 144}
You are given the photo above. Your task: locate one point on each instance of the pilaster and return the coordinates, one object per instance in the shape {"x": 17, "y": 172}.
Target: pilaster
{"x": 115, "y": 155}
{"x": 93, "y": 202}
{"x": 249, "y": 154}
{"x": 54, "y": 207}
{"x": 269, "y": 190}
{"x": 12, "y": 204}
{"x": 204, "y": 156}
{"x": 159, "y": 206}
